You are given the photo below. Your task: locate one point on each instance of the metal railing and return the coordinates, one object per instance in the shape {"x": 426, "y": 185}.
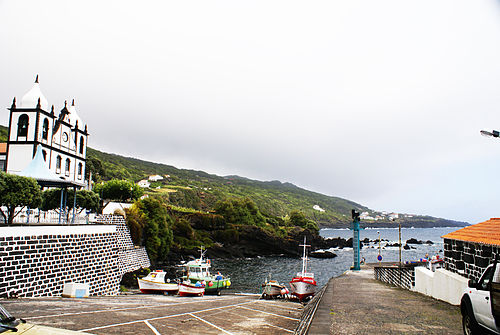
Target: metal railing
{"x": 308, "y": 312}
{"x": 36, "y": 216}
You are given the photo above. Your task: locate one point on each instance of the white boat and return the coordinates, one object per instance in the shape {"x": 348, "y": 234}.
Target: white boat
{"x": 155, "y": 282}
{"x": 187, "y": 288}
{"x": 303, "y": 284}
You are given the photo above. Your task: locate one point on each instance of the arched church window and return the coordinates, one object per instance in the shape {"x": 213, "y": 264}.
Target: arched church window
{"x": 22, "y": 125}
{"x": 80, "y": 170}
{"x": 44, "y": 153}
{"x": 45, "y": 129}
{"x": 58, "y": 164}
{"x": 68, "y": 164}
{"x": 82, "y": 143}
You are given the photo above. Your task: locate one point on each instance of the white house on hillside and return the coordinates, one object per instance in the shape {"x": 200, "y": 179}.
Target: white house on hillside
{"x": 144, "y": 183}
{"x": 155, "y": 178}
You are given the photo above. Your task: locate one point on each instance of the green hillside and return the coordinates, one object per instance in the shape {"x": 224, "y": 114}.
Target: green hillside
{"x": 200, "y": 191}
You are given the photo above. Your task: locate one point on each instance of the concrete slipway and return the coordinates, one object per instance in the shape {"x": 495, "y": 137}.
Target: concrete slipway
{"x": 353, "y": 303}
{"x": 158, "y": 314}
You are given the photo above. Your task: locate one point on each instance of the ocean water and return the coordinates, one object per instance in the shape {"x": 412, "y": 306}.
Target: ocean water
{"x": 247, "y": 275}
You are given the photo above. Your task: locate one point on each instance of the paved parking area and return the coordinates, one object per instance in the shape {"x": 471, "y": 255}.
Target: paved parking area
{"x": 158, "y": 314}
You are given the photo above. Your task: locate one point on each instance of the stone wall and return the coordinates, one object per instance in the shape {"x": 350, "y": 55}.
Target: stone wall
{"x": 468, "y": 259}
{"x": 403, "y": 277}
{"x": 38, "y": 260}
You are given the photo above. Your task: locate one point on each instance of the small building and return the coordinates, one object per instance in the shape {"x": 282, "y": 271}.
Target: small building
{"x": 393, "y": 216}
{"x": 315, "y": 207}
{"x": 155, "y": 178}
{"x": 3, "y": 156}
{"x": 112, "y": 207}
{"x": 144, "y": 183}
{"x": 468, "y": 251}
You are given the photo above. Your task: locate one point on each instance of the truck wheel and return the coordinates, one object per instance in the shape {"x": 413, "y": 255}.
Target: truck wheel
{"x": 469, "y": 323}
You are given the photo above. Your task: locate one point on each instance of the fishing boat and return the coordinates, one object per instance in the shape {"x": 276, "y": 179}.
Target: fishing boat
{"x": 187, "y": 288}
{"x": 303, "y": 284}
{"x": 273, "y": 289}
{"x": 198, "y": 271}
{"x": 155, "y": 282}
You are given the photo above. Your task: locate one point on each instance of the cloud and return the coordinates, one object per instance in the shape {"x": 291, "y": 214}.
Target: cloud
{"x": 379, "y": 102}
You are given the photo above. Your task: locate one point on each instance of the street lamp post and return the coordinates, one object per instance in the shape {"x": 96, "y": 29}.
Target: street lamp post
{"x": 399, "y": 243}
{"x": 493, "y": 133}
{"x": 379, "y": 249}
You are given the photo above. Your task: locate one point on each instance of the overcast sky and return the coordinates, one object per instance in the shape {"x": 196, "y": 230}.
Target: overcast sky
{"x": 380, "y": 102}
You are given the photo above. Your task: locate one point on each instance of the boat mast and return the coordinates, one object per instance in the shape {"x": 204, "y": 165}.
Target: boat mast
{"x": 304, "y": 257}
{"x": 202, "y": 253}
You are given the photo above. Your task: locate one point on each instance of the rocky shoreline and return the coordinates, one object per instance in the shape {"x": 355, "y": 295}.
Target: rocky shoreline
{"x": 255, "y": 242}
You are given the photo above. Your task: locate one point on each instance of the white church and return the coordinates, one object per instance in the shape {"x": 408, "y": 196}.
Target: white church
{"x": 62, "y": 137}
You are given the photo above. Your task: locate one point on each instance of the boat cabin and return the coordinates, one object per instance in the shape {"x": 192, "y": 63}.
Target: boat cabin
{"x": 157, "y": 276}
{"x": 305, "y": 274}
{"x": 198, "y": 269}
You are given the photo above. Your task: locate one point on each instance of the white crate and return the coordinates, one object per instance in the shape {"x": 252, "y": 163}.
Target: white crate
{"x": 75, "y": 290}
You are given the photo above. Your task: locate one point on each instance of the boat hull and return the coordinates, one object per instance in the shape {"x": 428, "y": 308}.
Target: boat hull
{"x": 302, "y": 287}
{"x": 273, "y": 290}
{"x": 189, "y": 290}
{"x": 146, "y": 286}
{"x": 212, "y": 285}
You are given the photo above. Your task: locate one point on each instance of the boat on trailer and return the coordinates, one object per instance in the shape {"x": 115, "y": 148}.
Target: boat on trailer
{"x": 303, "y": 285}
{"x": 155, "y": 282}
{"x": 189, "y": 289}
{"x": 273, "y": 289}
{"x": 198, "y": 270}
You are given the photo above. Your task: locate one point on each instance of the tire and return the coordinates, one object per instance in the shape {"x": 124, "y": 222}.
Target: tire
{"x": 469, "y": 323}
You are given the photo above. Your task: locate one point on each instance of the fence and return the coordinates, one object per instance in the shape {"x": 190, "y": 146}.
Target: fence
{"x": 401, "y": 276}
{"x": 37, "y": 216}
{"x": 308, "y": 313}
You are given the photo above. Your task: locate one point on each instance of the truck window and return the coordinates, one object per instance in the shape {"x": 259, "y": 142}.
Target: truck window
{"x": 496, "y": 276}
{"x": 485, "y": 279}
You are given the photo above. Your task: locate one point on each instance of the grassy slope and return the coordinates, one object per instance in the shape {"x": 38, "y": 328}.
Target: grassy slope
{"x": 273, "y": 198}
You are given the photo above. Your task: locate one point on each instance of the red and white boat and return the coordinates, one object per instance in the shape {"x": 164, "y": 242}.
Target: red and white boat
{"x": 188, "y": 289}
{"x": 303, "y": 285}
{"x": 155, "y": 282}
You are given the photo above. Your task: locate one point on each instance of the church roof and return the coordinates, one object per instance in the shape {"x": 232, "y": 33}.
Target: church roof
{"x": 39, "y": 170}
{"x": 31, "y": 98}
{"x": 487, "y": 232}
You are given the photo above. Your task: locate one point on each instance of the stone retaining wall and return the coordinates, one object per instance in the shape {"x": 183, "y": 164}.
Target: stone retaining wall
{"x": 468, "y": 259}
{"x": 38, "y": 260}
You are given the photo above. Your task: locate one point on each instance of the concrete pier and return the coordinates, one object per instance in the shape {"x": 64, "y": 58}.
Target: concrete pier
{"x": 356, "y": 303}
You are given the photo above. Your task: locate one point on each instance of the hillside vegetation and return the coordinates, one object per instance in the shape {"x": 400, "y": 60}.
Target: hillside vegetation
{"x": 200, "y": 191}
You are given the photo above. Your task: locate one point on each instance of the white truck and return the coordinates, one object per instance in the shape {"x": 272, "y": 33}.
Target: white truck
{"x": 480, "y": 304}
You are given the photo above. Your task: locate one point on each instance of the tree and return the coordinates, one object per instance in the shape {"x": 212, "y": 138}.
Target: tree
{"x": 119, "y": 190}
{"x": 240, "y": 211}
{"x": 94, "y": 166}
{"x": 298, "y": 218}
{"x": 150, "y": 223}
{"x": 51, "y": 199}
{"x": 17, "y": 191}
